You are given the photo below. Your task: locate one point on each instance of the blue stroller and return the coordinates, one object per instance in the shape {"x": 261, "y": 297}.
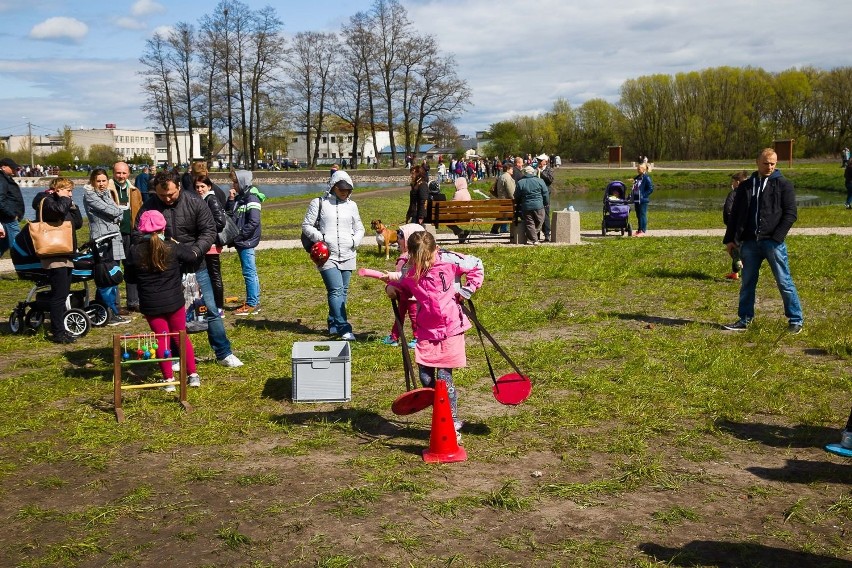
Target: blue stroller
{"x": 616, "y": 209}
{"x": 29, "y": 314}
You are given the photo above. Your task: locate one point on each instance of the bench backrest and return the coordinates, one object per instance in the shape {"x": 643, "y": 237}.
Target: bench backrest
{"x": 452, "y": 212}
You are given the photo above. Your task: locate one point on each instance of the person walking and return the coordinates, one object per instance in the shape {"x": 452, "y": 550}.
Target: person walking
{"x": 441, "y": 323}
{"x": 155, "y": 269}
{"x": 338, "y": 234}
{"x": 532, "y": 197}
{"x": 763, "y": 212}
{"x": 643, "y": 187}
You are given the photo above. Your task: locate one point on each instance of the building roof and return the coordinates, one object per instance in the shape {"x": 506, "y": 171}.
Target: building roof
{"x": 422, "y": 149}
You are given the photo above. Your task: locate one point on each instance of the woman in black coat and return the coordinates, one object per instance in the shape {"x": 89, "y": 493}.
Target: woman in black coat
{"x": 56, "y": 205}
{"x": 418, "y": 196}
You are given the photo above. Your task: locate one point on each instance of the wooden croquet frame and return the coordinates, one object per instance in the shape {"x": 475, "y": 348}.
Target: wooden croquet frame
{"x": 118, "y": 363}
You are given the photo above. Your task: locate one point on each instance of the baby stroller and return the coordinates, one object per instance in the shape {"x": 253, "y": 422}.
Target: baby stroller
{"x": 616, "y": 209}
{"x": 80, "y": 313}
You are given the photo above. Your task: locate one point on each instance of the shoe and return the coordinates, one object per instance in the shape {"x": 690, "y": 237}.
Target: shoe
{"x": 193, "y": 380}
{"x": 168, "y": 388}
{"x": 739, "y": 325}
{"x": 458, "y": 437}
{"x": 176, "y": 367}
{"x": 230, "y": 361}
{"x": 123, "y": 312}
{"x": 116, "y": 319}
{"x": 131, "y": 308}
{"x": 388, "y": 340}
{"x": 63, "y": 338}
{"x": 246, "y": 310}
{"x": 795, "y": 328}
{"x": 413, "y": 343}
{"x": 732, "y": 276}
{"x": 349, "y": 336}
{"x": 457, "y": 424}
{"x": 221, "y": 313}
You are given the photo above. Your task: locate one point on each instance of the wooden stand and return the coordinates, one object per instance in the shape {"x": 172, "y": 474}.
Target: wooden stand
{"x": 118, "y": 362}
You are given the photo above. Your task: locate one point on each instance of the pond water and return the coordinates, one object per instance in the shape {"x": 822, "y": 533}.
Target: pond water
{"x": 591, "y": 201}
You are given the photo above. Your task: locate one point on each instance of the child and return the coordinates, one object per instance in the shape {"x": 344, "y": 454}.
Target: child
{"x": 440, "y": 321}
{"x": 244, "y": 205}
{"x": 155, "y": 269}
{"x": 736, "y": 263}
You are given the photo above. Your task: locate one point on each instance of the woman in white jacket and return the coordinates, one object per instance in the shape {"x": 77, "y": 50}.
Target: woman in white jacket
{"x": 341, "y": 229}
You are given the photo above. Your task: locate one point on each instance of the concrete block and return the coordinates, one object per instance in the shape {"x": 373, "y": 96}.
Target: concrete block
{"x": 565, "y": 227}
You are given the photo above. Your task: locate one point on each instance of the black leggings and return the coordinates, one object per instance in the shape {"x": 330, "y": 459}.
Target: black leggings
{"x": 60, "y": 287}
{"x": 214, "y": 269}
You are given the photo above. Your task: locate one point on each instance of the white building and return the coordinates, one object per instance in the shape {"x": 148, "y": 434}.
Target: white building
{"x": 334, "y": 147}
{"x": 180, "y": 143}
{"x": 41, "y": 145}
{"x": 127, "y": 143}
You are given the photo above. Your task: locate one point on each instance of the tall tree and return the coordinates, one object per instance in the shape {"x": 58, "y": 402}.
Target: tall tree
{"x": 181, "y": 41}
{"x": 392, "y": 29}
{"x": 157, "y": 76}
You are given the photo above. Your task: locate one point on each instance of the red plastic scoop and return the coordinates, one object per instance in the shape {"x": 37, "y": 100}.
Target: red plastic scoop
{"x": 413, "y": 401}
{"x": 512, "y": 389}
{"x": 371, "y": 273}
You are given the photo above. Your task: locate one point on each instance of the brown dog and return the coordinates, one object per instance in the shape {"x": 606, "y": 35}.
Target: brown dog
{"x": 384, "y": 236}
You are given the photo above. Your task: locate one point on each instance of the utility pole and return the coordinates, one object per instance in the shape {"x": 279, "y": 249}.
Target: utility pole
{"x": 30, "y": 134}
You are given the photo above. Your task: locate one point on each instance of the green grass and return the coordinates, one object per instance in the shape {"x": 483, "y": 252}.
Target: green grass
{"x": 647, "y": 423}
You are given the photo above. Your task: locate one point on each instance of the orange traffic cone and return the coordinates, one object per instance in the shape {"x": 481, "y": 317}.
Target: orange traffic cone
{"x": 443, "y": 446}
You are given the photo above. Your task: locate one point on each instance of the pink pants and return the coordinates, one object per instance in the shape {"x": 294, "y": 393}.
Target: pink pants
{"x": 172, "y": 323}
{"x": 406, "y": 305}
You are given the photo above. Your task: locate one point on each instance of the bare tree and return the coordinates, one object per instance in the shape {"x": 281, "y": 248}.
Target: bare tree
{"x": 181, "y": 41}
{"x": 440, "y": 93}
{"x": 348, "y": 102}
{"x": 157, "y": 76}
{"x": 266, "y": 43}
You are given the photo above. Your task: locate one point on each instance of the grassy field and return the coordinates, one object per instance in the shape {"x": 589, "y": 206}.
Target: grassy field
{"x": 652, "y": 437}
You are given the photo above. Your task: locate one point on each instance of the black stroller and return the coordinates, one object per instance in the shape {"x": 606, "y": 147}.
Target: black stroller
{"x": 616, "y": 209}
{"x": 80, "y": 312}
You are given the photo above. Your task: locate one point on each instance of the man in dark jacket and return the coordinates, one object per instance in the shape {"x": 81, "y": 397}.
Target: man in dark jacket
{"x": 764, "y": 210}
{"x": 11, "y": 204}
{"x": 189, "y": 221}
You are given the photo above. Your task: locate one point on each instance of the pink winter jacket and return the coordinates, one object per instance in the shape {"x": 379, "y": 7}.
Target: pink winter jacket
{"x": 439, "y": 313}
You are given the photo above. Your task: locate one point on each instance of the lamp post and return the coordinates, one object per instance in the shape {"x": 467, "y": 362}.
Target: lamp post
{"x": 30, "y": 138}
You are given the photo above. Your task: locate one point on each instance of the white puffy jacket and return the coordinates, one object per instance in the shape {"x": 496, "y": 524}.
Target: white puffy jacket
{"x": 340, "y": 226}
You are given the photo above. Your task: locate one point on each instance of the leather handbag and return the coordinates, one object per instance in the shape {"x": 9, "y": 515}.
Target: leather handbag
{"x": 51, "y": 238}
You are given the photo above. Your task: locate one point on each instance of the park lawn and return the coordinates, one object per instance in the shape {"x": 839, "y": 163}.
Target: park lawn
{"x": 652, "y": 437}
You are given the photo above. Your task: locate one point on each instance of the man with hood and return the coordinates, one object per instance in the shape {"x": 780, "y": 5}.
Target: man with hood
{"x": 764, "y": 210}
{"x": 244, "y": 206}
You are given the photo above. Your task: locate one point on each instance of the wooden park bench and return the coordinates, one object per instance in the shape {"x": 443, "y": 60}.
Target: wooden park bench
{"x": 481, "y": 214}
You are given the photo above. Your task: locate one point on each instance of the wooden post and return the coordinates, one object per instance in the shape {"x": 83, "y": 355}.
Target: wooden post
{"x": 614, "y": 155}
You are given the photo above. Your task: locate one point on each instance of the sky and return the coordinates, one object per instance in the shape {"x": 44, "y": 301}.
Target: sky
{"x": 75, "y": 62}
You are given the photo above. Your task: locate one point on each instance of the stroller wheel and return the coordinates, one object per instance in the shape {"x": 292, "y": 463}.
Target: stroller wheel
{"x": 97, "y": 313}
{"x": 603, "y": 228}
{"x": 33, "y": 319}
{"x": 76, "y": 322}
{"x": 16, "y": 322}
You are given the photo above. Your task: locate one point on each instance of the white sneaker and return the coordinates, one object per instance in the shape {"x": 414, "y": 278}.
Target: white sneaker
{"x": 193, "y": 380}
{"x": 168, "y": 388}
{"x": 348, "y": 336}
{"x": 230, "y": 361}
{"x": 176, "y": 366}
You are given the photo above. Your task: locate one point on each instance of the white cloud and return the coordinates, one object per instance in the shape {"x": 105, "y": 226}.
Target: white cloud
{"x": 162, "y": 31}
{"x": 146, "y": 8}
{"x": 61, "y": 29}
{"x": 128, "y": 23}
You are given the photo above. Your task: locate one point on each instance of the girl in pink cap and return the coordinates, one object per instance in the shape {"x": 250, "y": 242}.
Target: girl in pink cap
{"x": 155, "y": 268}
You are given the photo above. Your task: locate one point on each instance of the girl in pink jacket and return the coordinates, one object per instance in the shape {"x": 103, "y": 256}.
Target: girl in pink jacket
{"x": 435, "y": 285}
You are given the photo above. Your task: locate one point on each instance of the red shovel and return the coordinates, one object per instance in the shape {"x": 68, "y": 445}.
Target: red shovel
{"x": 511, "y": 389}
{"x": 414, "y": 400}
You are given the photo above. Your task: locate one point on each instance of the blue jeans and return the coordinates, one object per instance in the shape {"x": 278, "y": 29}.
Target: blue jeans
{"x": 250, "y": 276}
{"x": 753, "y": 253}
{"x": 337, "y": 285}
{"x": 12, "y": 229}
{"x": 642, "y": 216}
{"x": 215, "y": 326}
{"x": 109, "y": 297}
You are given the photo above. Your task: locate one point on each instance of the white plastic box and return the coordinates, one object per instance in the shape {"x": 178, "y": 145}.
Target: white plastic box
{"x": 322, "y": 371}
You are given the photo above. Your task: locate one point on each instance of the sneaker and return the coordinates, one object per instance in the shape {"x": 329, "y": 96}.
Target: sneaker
{"x": 388, "y": 340}
{"x": 63, "y": 338}
{"x": 230, "y": 361}
{"x": 221, "y": 313}
{"x": 168, "y": 388}
{"x": 176, "y": 367}
{"x": 458, "y": 437}
{"x": 739, "y": 325}
{"x": 795, "y": 328}
{"x": 193, "y": 380}
{"x": 412, "y": 344}
{"x": 348, "y": 336}
{"x": 457, "y": 424}
{"x": 116, "y": 319}
{"x": 732, "y": 276}
{"x": 123, "y": 312}
{"x": 246, "y": 310}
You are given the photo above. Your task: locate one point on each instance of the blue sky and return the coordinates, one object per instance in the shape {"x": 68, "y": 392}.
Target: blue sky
{"x": 75, "y": 62}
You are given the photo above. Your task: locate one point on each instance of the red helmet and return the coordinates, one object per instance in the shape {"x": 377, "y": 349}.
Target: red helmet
{"x": 319, "y": 253}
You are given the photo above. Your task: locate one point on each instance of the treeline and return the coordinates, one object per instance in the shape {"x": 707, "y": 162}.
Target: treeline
{"x": 237, "y": 77}
{"x": 723, "y": 112}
